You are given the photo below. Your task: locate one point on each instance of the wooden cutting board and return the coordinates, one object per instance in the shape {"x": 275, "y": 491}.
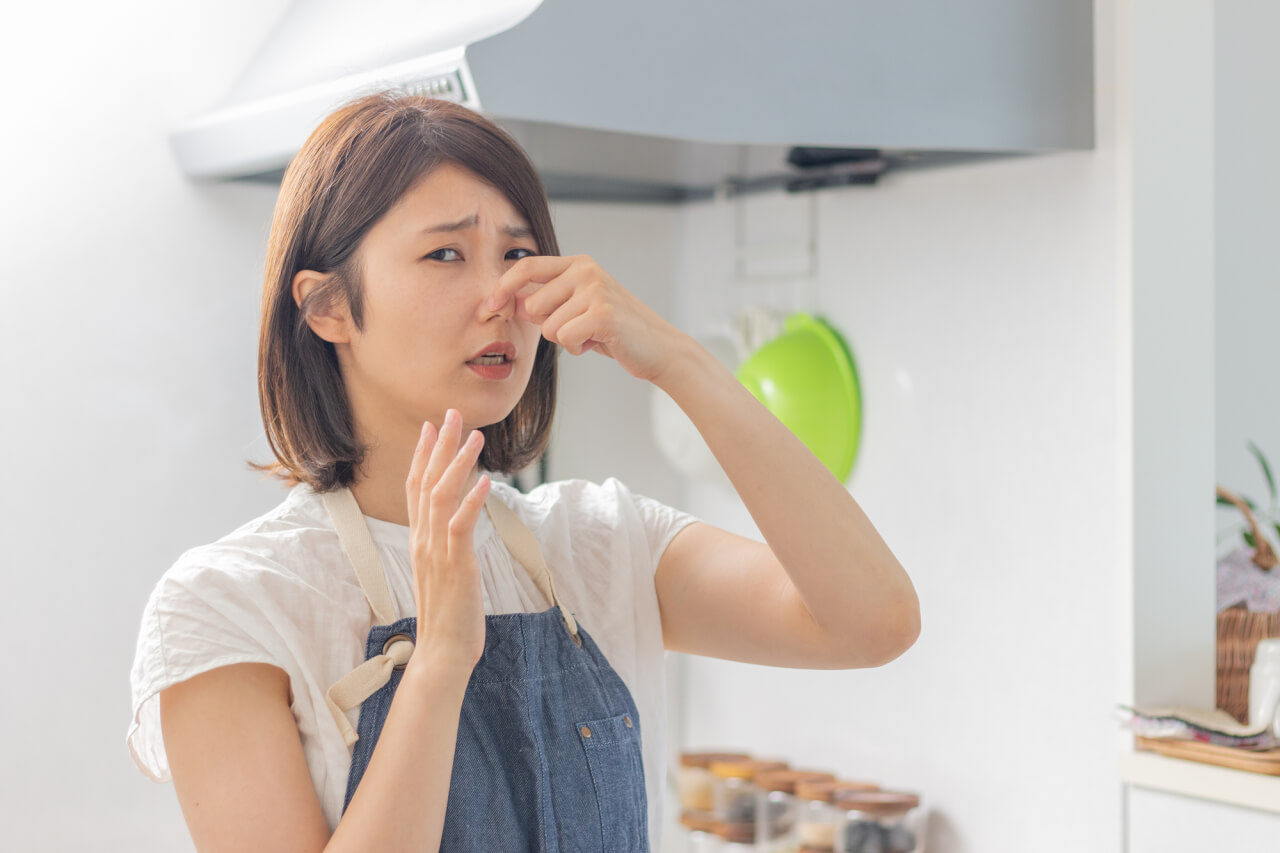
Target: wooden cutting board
{"x": 1255, "y": 761}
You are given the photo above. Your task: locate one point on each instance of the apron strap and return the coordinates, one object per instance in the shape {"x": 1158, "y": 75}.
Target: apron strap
{"x": 358, "y": 543}
{"x": 524, "y": 547}
{"x": 368, "y": 678}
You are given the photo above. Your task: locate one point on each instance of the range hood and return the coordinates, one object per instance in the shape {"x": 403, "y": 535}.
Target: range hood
{"x": 671, "y": 100}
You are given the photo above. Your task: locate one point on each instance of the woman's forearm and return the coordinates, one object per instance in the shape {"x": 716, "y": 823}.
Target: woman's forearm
{"x": 400, "y": 802}
{"x": 841, "y": 568}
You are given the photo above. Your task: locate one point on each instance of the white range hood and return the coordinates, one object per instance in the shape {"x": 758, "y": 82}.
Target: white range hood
{"x": 667, "y": 100}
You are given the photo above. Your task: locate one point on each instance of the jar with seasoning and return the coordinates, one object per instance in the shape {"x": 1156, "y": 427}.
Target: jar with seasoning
{"x": 696, "y": 784}
{"x": 776, "y": 807}
{"x": 701, "y": 836}
{"x": 735, "y": 795}
{"x": 816, "y": 817}
{"x": 735, "y": 837}
{"x": 879, "y": 822}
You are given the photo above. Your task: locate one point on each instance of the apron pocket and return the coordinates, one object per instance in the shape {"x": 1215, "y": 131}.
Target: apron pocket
{"x": 612, "y": 747}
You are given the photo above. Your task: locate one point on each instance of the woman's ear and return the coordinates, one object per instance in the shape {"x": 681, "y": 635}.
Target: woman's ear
{"x": 331, "y": 322}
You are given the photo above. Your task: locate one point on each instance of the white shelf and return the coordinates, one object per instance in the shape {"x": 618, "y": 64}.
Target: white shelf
{"x": 1206, "y": 781}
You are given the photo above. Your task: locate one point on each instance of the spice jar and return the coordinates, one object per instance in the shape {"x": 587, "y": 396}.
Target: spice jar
{"x": 879, "y": 822}
{"x": 735, "y": 794}
{"x": 776, "y": 807}
{"x": 695, "y": 783}
{"x": 701, "y": 837}
{"x": 816, "y": 817}
{"x": 735, "y": 837}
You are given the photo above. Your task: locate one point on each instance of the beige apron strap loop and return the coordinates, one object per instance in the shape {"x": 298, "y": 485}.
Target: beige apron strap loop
{"x": 352, "y": 689}
{"x": 358, "y": 543}
{"x": 524, "y": 547}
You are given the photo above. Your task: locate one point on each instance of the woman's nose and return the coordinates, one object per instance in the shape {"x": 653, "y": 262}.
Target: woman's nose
{"x": 488, "y": 286}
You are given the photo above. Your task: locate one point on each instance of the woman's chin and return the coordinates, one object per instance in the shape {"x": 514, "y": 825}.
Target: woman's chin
{"x": 486, "y": 415}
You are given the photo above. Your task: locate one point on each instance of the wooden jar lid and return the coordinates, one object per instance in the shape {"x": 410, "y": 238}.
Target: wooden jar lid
{"x": 705, "y": 759}
{"x": 785, "y": 780}
{"x": 879, "y": 803}
{"x": 698, "y": 821}
{"x": 744, "y": 769}
{"x": 738, "y": 833}
{"x": 847, "y": 788}
{"x": 820, "y": 790}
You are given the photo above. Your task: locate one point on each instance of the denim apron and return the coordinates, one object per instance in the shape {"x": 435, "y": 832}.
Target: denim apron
{"x": 548, "y": 753}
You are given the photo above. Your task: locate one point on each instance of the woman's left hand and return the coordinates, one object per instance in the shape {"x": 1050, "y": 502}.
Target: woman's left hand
{"x": 581, "y": 307}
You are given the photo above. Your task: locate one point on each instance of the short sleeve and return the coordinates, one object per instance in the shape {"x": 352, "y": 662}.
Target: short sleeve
{"x": 201, "y": 615}
{"x": 660, "y": 523}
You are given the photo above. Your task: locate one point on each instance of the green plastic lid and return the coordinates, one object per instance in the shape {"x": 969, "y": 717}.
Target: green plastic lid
{"x": 806, "y": 377}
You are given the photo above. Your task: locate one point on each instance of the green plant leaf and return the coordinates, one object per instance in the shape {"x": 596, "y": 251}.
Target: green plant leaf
{"x": 1249, "y": 540}
{"x": 1266, "y": 470}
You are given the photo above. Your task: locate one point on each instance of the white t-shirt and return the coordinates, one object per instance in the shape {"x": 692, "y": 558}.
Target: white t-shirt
{"x": 280, "y": 590}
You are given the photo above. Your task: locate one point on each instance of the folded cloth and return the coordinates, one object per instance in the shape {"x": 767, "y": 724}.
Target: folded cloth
{"x": 1239, "y": 581}
{"x": 1198, "y": 724}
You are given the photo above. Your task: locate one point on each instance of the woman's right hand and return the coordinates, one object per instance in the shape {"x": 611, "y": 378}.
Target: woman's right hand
{"x": 442, "y": 522}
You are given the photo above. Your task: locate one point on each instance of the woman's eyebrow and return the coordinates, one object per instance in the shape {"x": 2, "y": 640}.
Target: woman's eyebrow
{"x": 516, "y": 231}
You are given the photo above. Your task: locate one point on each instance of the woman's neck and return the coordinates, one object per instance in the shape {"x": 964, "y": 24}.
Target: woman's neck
{"x": 380, "y": 488}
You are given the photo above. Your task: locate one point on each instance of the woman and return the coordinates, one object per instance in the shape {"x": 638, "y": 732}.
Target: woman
{"x": 414, "y": 306}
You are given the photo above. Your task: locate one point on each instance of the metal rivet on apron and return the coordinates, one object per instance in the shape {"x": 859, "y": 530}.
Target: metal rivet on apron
{"x": 627, "y": 720}
{"x": 586, "y": 732}
{"x": 392, "y": 640}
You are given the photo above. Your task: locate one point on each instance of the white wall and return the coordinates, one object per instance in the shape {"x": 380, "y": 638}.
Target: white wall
{"x": 127, "y": 374}
{"x": 1248, "y": 218}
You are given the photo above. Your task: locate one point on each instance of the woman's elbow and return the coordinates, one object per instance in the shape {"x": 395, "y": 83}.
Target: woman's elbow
{"x": 907, "y": 628}
{"x": 898, "y": 632}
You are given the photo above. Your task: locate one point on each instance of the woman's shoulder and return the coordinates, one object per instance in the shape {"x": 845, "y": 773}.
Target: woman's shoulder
{"x": 609, "y": 506}
{"x": 289, "y": 545}
{"x": 248, "y": 595}
{"x": 573, "y": 492}
{"x": 573, "y": 500}
{"x": 257, "y": 594}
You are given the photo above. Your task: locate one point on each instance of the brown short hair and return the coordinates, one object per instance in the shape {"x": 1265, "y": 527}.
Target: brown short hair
{"x": 354, "y": 167}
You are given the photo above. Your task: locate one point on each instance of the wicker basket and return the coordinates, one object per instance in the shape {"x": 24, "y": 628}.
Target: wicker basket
{"x": 1240, "y": 630}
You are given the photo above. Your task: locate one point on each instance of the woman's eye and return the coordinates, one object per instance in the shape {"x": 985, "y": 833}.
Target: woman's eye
{"x": 452, "y": 254}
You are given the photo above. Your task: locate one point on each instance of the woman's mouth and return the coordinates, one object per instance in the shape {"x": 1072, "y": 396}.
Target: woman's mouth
{"x": 494, "y": 362}
{"x": 489, "y": 359}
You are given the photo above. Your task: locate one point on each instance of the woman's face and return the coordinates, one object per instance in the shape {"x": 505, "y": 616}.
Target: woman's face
{"x": 428, "y": 267}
